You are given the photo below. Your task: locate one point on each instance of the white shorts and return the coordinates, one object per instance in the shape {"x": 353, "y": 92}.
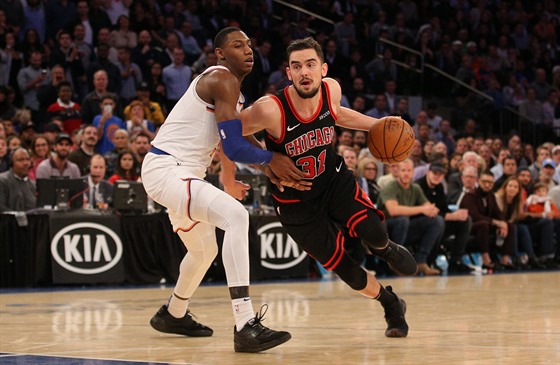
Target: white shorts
{"x": 185, "y": 194}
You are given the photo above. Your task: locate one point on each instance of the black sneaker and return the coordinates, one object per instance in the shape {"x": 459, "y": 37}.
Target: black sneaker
{"x": 394, "y": 316}
{"x": 398, "y": 257}
{"x": 254, "y": 337}
{"x": 459, "y": 268}
{"x": 186, "y": 326}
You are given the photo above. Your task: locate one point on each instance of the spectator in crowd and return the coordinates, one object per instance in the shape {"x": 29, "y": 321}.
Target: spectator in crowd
{"x": 7, "y": 109}
{"x": 126, "y": 168}
{"x": 102, "y": 62}
{"x": 457, "y": 222}
{"x": 141, "y": 146}
{"x": 17, "y": 192}
{"x": 123, "y": 36}
{"x": 176, "y": 77}
{"x": 401, "y": 109}
{"x": 40, "y": 151}
{"x": 110, "y": 53}
{"x": 81, "y": 156}
{"x": 189, "y": 43}
{"x": 469, "y": 158}
{"x": 59, "y": 14}
{"x": 52, "y": 130}
{"x": 542, "y": 154}
{"x": 107, "y": 123}
{"x": 66, "y": 109}
{"x": 138, "y": 122}
{"x": 391, "y": 175}
{"x": 152, "y": 110}
{"x": 509, "y": 169}
{"x": 131, "y": 75}
{"x": 145, "y": 54}
{"x": 488, "y": 220}
{"x": 30, "y": 79}
{"x": 68, "y": 56}
{"x": 469, "y": 182}
{"x": 411, "y": 219}
{"x": 543, "y": 223}
{"x": 13, "y": 142}
{"x": 58, "y": 165}
{"x": 100, "y": 191}
{"x": 547, "y": 173}
{"x": 48, "y": 93}
{"x": 367, "y": 171}
{"x": 121, "y": 141}
{"x": 27, "y": 133}
{"x": 91, "y": 102}
{"x": 510, "y": 201}
{"x": 4, "y": 156}
{"x": 379, "y": 109}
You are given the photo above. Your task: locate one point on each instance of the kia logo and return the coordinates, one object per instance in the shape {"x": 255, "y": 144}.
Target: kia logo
{"x": 278, "y": 250}
{"x": 86, "y": 248}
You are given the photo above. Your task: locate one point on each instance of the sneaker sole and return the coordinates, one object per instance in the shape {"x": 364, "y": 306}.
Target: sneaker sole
{"x": 263, "y": 346}
{"x": 397, "y": 332}
{"x": 159, "y": 325}
{"x": 408, "y": 266}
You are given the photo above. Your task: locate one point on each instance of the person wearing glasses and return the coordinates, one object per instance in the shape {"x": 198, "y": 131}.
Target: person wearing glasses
{"x": 488, "y": 220}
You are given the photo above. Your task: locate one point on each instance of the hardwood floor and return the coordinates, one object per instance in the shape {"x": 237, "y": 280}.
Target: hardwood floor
{"x": 493, "y": 319}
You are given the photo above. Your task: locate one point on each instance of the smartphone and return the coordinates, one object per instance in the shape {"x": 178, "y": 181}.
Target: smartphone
{"x": 44, "y": 71}
{"x": 107, "y": 108}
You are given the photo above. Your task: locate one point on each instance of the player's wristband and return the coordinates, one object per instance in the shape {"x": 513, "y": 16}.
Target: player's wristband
{"x": 238, "y": 148}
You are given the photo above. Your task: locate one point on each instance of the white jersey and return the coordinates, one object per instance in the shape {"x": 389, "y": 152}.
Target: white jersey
{"x": 190, "y": 133}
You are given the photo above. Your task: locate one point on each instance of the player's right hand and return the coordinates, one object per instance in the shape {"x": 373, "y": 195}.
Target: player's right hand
{"x": 283, "y": 167}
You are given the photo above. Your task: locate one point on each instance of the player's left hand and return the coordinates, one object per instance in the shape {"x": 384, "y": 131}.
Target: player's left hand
{"x": 238, "y": 189}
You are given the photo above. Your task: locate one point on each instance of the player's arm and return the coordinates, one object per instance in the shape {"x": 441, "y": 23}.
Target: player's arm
{"x": 233, "y": 187}
{"x": 346, "y": 117}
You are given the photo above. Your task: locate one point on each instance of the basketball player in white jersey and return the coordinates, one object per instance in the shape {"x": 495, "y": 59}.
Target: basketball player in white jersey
{"x": 173, "y": 174}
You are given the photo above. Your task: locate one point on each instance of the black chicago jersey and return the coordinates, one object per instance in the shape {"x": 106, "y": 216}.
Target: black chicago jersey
{"x": 309, "y": 144}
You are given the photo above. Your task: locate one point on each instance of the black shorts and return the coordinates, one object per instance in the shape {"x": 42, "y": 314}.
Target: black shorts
{"x": 319, "y": 225}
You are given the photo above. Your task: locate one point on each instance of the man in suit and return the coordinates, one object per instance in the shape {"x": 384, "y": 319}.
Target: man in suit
{"x": 100, "y": 193}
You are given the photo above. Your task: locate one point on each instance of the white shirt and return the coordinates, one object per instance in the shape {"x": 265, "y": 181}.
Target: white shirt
{"x": 190, "y": 133}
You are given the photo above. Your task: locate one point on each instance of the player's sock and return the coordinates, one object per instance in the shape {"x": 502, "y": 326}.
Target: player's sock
{"x": 384, "y": 297}
{"x": 242, "y": 311}
{"x": 177, "y": 306}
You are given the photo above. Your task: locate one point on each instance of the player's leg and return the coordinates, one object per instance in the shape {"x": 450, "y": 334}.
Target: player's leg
{"x": 219, "y": 209}
{"x": 351, "y": 207}
{"x": 324, "y": 241}
{"x": 201, "y": 251}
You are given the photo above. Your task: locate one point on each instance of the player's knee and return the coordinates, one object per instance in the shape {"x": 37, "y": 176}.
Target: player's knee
{"x": 237, "y": 217}
{"x": 351, "y": 273}
{"x": 372, "y": 232}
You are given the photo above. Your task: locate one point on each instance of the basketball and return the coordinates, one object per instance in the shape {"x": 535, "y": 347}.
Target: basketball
{"x": 391, "y": 140}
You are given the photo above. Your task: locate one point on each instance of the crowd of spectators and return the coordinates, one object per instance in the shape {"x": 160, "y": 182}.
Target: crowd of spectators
{"x": 83, "y": 78}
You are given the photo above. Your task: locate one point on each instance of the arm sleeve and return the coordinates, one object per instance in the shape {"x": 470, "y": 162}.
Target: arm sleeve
{"x": 237, "y": 148}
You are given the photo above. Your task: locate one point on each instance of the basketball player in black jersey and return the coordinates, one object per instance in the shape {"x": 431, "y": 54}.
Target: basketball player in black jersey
{"x": 299, "y": 122}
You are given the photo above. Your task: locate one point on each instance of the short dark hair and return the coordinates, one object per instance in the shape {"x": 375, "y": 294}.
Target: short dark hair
{"x": 222, "y": 35}
{"x": 305, "y": 43}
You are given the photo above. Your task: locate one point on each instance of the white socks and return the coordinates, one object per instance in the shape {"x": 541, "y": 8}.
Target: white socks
{"x": 242, "y": 311}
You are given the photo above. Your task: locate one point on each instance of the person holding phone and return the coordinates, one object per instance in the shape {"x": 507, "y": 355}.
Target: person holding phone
{"x": 107, "y": 123}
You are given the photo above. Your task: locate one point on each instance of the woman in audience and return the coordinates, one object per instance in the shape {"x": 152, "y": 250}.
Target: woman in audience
{"x": 40, "y": 150}
{"x": 126, "y": 169}
{"x": 510, "y": 201}
{"x": 123, "y": 36}
{"x": 367, "y": 172}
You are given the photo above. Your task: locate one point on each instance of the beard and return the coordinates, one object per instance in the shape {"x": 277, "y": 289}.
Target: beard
{"x": 307, "y": 95}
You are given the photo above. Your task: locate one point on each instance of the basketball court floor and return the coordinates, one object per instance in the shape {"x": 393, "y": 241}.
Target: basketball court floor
{"x": 491, "y": 319}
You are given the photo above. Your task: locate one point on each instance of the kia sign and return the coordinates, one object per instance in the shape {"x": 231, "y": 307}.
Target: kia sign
{"x": 89, "y": 248}
{"x": 86, "y": 250}
{"x": 278, "y": 250}
{"x": 278, "y": 254}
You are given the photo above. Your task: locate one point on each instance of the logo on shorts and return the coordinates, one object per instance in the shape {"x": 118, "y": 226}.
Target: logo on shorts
{"x": 278, "y": 250}
{"x": 86, "y": 248}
